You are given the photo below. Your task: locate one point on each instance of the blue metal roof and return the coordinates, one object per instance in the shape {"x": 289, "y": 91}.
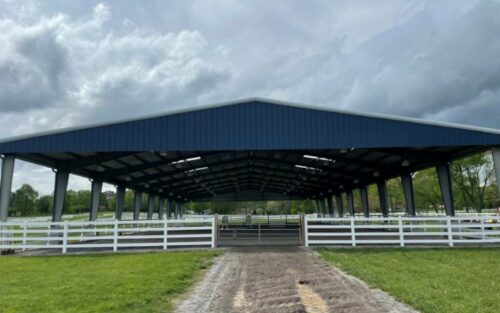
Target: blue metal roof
{"x": 254, "y": 124}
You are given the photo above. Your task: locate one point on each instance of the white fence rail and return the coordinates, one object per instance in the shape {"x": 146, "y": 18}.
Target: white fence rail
{"x": 402, "y": 231}
{"x": 113, "y": 235}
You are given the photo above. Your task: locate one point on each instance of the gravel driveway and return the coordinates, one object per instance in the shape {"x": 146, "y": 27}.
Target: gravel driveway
{"x": 282, "y": 279}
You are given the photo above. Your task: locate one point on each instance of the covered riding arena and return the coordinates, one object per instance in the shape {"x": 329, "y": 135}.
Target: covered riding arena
{"x": 248, "y": 150}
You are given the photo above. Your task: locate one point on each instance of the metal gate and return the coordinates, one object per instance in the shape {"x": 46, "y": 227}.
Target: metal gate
{"x": 259, "y": 230}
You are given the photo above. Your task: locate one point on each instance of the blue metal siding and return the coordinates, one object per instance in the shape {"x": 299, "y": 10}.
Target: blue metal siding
{"x": 252, "y": 126}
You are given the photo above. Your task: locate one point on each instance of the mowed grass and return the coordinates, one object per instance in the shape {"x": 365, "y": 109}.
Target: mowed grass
{"x": 139, "y": 282}
{"x": 457, "y": 280}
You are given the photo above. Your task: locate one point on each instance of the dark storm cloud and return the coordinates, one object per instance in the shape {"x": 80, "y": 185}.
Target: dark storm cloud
{"x": 69, "y": 63}
{"x": 421, "y": 70}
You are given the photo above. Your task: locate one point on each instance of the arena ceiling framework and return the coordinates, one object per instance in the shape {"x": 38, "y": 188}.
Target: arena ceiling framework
{"x": 252, "y": 149}
{"x": 270, "y": 174}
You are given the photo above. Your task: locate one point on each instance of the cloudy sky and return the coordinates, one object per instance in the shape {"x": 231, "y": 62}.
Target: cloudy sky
{"x": 65, "y": 63}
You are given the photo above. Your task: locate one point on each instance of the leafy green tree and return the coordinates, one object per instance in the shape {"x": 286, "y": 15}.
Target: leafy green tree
{"x": 395, "y": 195}
{"x": 107, "y": 200}
{"x": 129, "y": 201}
{"x": 373, "y": 201}
{"x": 25, "y": 199}
{"x": 302, "y": 206}
{"x": 471, "y": 176}
{"x": 77, "y": 201}
{"x": 44, "y": 205}
{"x": 491, "y": 196}
{"x": 427, "y": 191}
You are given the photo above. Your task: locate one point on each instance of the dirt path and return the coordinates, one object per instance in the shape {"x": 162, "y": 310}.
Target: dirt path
{"x": 283, "y": 279}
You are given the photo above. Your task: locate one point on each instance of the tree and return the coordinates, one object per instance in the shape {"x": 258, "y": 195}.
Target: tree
{"x": 373, "y": 199}
{"x": 471, "y": 176}
{"x": 395, "y": 195}
{"x": 491, "y": 196}
{"x": 44, "y": 205}
{"x": 129, "y": 201}
{"x": 24, "y": 200}
{"x": 77, "y": 201}
{"x": 302, "y": 206}
{"x": 427, "y": 191}
{"x": 107, "y": 200}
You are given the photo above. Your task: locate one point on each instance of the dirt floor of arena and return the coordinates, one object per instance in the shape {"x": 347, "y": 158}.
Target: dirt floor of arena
{"x": 282, "y": 279}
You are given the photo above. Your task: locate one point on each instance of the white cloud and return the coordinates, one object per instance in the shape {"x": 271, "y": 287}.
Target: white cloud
{"x": 81, "y": 71}
{"x": 56, "y": 71}
{"x": 32, "y": 66}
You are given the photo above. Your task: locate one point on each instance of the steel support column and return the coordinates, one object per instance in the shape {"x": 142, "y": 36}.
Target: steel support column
{"x": 151, "y": 206}
{"x": 161, "y": 205}
{"x": 496, "y": 163}
{"x": 444, "y": 177}
{"x": 407, "y": 182}
{"x": 330, "y": 205}
{"x": 6, "y": 186}
{"x": 350, "y": 202}
{"x": 322, "y": 207}
{"x": 170, "y": 208}
{"x": 340, "y": 206}
{"x": 137, "y": 204}
{"x": 176, "y": 210}
{"x": 382, "y": 196}
{"x": 95, "y": 194}
{"x": 120, "y": 202}
{"x": 363, "y": 192}
{"x": 60, "y": 187}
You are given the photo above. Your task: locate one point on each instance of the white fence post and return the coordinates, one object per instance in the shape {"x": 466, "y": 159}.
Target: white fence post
{"x": 115, "y": 235}
{"x": 48, "y": 234}
{"x": 65, "y": 237}
{"x": 25, "y": 226}
{"x": 460, "y": 222}
{"x": 214, "y": 223}
{"x": 165, "y": 232}
{"x": 483, "y": 237}
{"x": 450, "y": 231}
{"x": 401, "y": 231}
{"x": 306, "y": 231}
{"x": 353, "y": 232}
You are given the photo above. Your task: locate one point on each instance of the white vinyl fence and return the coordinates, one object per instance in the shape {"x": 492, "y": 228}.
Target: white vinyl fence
{"x": 161, "y": 234}
{"x": 402, "y": 231}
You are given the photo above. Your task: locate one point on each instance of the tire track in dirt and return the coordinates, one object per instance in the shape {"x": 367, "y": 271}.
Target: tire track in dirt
{"x": 313, "y": 303}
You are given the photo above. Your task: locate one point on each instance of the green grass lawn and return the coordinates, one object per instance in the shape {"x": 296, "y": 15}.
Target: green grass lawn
{"x": 458, "y": 280}
{"x": 139, "y": 282}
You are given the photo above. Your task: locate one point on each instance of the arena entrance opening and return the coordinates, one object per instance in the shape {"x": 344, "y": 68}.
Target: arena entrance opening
{"x": 247, "y": 230}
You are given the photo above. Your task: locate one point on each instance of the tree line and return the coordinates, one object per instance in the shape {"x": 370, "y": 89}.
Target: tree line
{"x": 474, "y": 189}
